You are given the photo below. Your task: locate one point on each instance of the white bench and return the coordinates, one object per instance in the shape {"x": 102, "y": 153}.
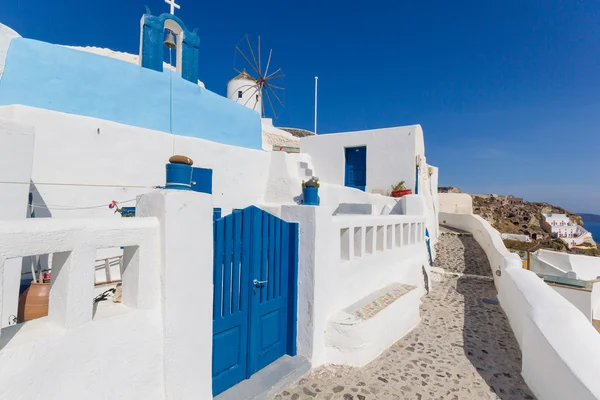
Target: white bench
{"x": 359, "y": 333}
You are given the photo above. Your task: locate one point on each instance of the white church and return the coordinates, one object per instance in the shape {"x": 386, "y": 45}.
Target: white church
{"x": 257, "y": 252}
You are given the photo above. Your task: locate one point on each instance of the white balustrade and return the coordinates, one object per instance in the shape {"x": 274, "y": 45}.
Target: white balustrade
{"x": 364, "y": 235}
{"x": 73, "y": 243}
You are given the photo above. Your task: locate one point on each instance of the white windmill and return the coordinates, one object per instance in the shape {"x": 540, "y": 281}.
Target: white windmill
{"x": 253, "y": 87}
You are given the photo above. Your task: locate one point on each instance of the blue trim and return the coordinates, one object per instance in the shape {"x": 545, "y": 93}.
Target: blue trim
{"x": 417, "y": 181}
{"x": 428, "y": 240}
{"x": 356, "y": 167}
{"x": 202, "y": 180}
{"x": 152, "y": 46}
{"x": 57, "y": 78}
{"x": 292, "y": 331}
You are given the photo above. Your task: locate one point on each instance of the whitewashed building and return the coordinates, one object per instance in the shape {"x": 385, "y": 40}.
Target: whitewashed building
{"x": 561, "y": 226}
{"x": 83, "y": 129}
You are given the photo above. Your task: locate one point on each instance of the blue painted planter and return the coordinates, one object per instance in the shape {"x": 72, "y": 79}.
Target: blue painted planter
{"x": 179, "y": 177}
{"x": 311, "y": 196}
{"x": 127, "y": 211}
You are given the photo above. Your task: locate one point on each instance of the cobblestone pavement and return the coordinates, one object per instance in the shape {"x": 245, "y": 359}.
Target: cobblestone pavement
{"x": 462, "y": 349}
{"x": 457, "y": 251}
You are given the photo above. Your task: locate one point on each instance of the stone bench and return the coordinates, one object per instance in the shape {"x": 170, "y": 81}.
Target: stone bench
{"x": 359, "y": 333}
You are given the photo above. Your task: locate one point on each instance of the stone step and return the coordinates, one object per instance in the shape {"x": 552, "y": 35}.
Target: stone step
{"x": 269, "y": 381}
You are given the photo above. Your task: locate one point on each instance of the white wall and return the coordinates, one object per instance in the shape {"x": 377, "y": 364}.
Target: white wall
{"x": 287, "y": 171}
{"x": 75, "y": 166}
{"x": 596, "y": 300}
{"x": 456, "y": 203}
{"x": 272, "y": 136}
{"x": 328, "y": 282}
{"x": 147, "y": 347}
{"x": 581, "y": 299}
{"x": 559, "y": 264}
{"x": 112, "y": 165}
{"x": 560, "y": 348}
{"x": 391, "y": 155}
{"x": 16, "y": 158}
{"x": 78, "y": 352}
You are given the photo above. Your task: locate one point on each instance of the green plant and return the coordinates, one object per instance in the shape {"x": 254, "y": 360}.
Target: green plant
{"x": 312, "y": 182}
{"x": 398, "y": 186}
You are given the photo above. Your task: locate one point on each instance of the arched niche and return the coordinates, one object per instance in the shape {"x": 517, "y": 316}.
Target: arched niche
{"x": 152, "y": 35}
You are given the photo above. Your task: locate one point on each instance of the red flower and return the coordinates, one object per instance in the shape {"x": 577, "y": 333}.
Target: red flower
{"x": 112, "y": 205}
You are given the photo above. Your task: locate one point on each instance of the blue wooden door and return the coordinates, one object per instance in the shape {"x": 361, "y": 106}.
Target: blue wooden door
{"x": 255, "y": 275}
{"x": 202, "y": 180}
{"x": 356, "y": 167}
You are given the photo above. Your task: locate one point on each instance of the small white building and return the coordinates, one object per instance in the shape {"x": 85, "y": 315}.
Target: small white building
{"x": 561, "y": 226}
{"x": 244, "y": 90}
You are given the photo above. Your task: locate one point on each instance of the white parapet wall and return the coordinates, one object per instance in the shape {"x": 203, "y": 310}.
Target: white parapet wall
{"x": 16, "y": 161}
{"x": 456, "y": 203}
{"x": 156, "y": 344}
{"x": 343, "y": 259}
{"x": 560, "y": 348}
{"x": 560, "y": 264}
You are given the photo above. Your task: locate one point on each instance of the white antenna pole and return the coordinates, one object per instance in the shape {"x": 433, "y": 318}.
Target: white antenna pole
{"x": 316, "y": 91}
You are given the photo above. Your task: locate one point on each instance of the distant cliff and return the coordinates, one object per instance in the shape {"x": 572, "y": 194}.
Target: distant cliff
{"x": 510, "y": 214}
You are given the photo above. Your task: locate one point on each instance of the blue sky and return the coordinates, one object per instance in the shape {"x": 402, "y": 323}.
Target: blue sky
{"x": 508, "y": 93}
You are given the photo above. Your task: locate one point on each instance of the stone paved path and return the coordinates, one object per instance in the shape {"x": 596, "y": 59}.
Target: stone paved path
{"x": 463, "y": 348}
{"x": 458, "y": 251}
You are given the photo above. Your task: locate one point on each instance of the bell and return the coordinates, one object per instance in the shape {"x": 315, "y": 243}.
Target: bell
{"x": 170, "y": 41}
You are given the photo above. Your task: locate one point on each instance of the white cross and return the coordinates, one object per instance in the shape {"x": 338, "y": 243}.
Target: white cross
{"x": 173, "y": 6}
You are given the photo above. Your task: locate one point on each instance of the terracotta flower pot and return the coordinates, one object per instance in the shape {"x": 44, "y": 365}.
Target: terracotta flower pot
{"x": 33, "y": 303}
{"x": 401, "y": 193}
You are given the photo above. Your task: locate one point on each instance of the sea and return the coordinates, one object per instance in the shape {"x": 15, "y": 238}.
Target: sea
{"x": 594, "y": 229}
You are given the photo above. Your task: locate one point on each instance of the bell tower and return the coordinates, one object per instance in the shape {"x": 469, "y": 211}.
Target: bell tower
{"x": 152, "y": 31}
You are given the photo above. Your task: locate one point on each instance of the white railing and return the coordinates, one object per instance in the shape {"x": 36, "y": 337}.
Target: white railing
{"x": 73, "y": 244}
{"x": 362, "y": 236}
{"x": 108, "y": 270}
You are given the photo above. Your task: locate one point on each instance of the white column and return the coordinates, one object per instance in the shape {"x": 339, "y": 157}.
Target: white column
{"x": 318, "y": 256}
{"x": 72, "y": 287}
{"x": 187, "y": 288}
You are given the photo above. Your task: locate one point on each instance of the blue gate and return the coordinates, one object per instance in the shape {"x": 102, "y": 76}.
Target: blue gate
{"x": 356, "y": 167}
{"x": 255, "y": 292}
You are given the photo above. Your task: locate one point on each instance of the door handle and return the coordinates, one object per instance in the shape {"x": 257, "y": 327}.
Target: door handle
{"x": 258, "y": 283}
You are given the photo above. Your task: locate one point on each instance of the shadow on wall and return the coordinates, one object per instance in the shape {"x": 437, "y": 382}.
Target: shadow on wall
{"x": 489, "y": 342}
{"x": 36, "y": 208}
{"x": 397, "y": 209}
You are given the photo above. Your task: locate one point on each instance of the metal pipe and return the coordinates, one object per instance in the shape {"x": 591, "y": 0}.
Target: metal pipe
{"x": 316, "y": 91}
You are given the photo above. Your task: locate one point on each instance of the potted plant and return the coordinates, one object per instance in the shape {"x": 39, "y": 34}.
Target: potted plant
{"x": 399, "y": 190}
{"x": 310, "y": 192}
{"x": 124, "y": 211}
